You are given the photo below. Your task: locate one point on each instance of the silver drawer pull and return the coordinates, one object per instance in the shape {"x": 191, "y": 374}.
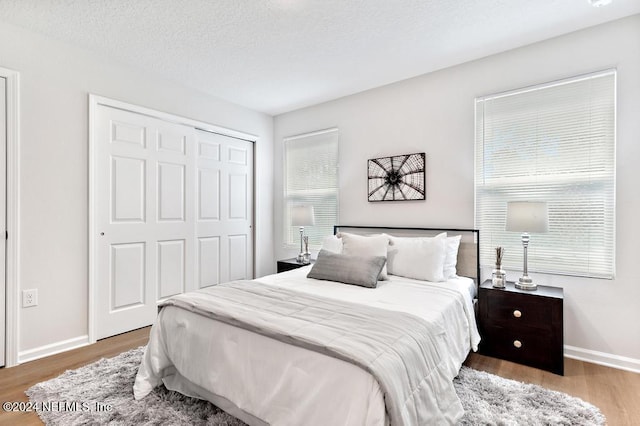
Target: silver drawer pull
{"x": 517, "y": 313}
{"x": 517, "y": 344}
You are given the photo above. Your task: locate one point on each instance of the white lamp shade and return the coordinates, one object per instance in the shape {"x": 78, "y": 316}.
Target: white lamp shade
{"x": 302, "y": 216}
{"x": 527, "y": 216}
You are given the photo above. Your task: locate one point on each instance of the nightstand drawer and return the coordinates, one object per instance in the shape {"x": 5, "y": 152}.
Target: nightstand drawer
{"x": 529, "y": 347}
{"x": 519, "y": 310}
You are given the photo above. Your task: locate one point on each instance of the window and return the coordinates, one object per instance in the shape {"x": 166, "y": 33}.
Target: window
{"x": 311, "y": 177}
{"x": 555, "y": 143}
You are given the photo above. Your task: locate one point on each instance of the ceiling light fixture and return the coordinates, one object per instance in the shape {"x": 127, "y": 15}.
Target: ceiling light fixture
{"x": 599, "y": 3}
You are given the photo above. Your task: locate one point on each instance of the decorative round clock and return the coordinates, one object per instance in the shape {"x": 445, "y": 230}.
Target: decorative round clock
{"x": 397, "y": 178}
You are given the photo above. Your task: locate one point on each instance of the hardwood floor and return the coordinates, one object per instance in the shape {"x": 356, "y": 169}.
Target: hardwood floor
{"x": 615, "y": 392}
{"x": 15, "y": 380}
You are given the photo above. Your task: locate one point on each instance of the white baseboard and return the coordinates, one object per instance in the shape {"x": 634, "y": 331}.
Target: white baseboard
{"x": 52, "y": 349}
{"x": 603, "y": 358}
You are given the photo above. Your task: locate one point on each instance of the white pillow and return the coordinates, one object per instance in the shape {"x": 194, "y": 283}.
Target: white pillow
{"x": 451, "y": 257}
{"x": 420, "y": 258}
{"x": 364, "y": 246}
{"x": 332, "y": 243}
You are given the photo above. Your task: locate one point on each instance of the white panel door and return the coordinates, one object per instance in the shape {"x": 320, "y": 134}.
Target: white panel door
{"x": 224, "y": 209}
{"x": 173, "y": 212}
{"x": 144, "y": 218}
{"x": 3, "y": 218}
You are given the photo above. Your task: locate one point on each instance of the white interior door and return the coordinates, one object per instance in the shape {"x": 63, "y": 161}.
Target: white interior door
{"x": 225, "y": 209}
{"x": 173, "y": 213}
{"x": 3, "y": 216}
{"x": 143, "y": 217}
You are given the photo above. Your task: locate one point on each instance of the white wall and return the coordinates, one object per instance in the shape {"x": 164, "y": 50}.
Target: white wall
{"x": 55, "y": 82}
{"x": 434, "y": 113}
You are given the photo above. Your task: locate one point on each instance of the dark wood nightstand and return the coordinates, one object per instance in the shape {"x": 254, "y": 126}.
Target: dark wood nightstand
{"x": 289, "y": 264}
{"x": 522, "y": 326}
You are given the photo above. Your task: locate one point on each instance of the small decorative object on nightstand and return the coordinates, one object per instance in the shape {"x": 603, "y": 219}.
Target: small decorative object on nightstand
{"x": 522, "y": 326}
{"x": 289, "y": 264}
{"x": 499, "y": 276}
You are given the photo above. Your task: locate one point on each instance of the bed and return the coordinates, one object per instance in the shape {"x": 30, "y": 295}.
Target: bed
{"x": 247, "y": 347}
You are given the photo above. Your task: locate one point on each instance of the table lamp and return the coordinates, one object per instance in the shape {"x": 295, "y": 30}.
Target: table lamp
{"x": 525, "y": 217}
{"x": 302, "y": 216}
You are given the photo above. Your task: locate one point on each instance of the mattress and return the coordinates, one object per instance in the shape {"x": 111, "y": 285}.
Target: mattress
{"x": 264, "y": 381}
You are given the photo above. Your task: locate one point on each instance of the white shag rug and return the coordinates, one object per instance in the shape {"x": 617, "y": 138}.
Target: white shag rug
{"x": 101, "y": 393}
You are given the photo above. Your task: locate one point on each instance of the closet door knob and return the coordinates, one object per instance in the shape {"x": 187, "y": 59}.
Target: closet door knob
{"x": 517, "y": 344}
{"x": 517, "y": 313}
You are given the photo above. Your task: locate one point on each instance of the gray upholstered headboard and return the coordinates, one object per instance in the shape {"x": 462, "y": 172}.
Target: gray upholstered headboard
{"x": 468, "y": 253}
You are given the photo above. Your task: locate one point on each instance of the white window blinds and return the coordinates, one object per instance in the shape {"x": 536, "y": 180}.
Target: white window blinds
{"x": 311, "y": 178}
{"x": 553, "y": 143}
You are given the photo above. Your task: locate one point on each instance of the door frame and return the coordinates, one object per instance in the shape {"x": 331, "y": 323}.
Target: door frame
{"x": 12, "y": 276}
{"x": 94, "y": 102}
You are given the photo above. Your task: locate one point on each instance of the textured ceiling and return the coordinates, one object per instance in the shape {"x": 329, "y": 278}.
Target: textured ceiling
{"x": 279, "y": 55}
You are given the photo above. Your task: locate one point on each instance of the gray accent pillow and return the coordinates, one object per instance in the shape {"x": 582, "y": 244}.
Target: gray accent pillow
{"x": 348, "y": 269}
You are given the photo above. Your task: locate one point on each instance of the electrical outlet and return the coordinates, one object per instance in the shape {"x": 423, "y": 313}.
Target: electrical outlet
{"x": 29, "y": 297}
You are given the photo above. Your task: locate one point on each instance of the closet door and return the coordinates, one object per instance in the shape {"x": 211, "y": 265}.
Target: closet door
{"x": 224, "y": 209}
{"x": 144, "y": 217}
{"x": 172, "y": 212}
{"x": 3, "y": 218}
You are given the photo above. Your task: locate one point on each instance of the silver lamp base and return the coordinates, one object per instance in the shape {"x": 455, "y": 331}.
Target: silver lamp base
{"x": 526, "y": 283}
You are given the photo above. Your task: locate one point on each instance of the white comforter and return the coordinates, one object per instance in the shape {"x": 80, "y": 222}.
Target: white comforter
{"x": 260, "y": 379}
